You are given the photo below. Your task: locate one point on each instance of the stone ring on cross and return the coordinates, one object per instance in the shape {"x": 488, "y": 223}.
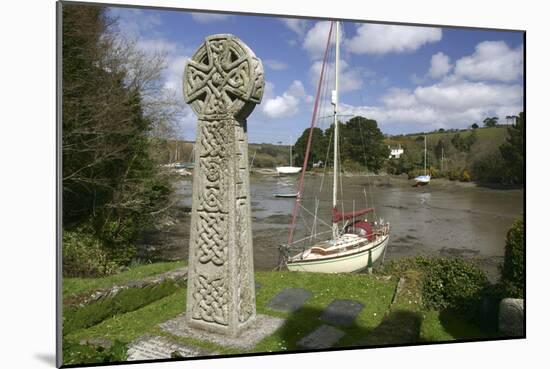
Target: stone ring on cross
{"x": 224, "y": 79}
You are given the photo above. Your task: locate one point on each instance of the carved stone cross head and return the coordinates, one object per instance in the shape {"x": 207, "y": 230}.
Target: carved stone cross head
{"x": 224, "y": 79}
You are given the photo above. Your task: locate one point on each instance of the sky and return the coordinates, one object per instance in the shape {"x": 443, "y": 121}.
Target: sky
{"x": 408, "y": 78}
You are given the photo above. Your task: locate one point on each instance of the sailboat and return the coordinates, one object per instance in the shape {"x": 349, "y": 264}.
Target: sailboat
{"x": 290, "y": 169}
{"x": 356, "y": 244}
{"x": 423, "y": 179}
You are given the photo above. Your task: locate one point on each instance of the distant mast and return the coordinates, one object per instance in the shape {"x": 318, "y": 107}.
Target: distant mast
{"x": 335, "y": 103}
{"x": 290, "y": 145}
{"x": 424, "y": 154}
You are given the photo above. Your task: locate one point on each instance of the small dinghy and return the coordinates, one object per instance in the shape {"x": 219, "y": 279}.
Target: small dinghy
{"x": 286, "y": 195}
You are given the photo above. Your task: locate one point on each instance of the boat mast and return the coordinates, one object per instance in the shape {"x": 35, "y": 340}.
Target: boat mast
{"x": 290, "y": 146}
{"x": 424, "y": 154}
{"x": 335, "y": 103}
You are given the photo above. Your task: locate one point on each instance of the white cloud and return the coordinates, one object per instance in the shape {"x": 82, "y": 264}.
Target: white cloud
{"x": 452, "y": 102}
{"x": 350, "y": 79}
{"x": 159, "y": 45}
{"x": 399, "y": 98}
{"x": 132, "y": 22}
{"x": 209, "y": 17}
{"x": 285, "y": 105}
{"x": 492, "y": 60}
{"x": 440, "y": 65}
{"x": 462, "y": 95}
{"x": 296, "y": 25}
{"x": 275, "y": 64}
{"x": 173, "y": 75}
{"x": 315, "y": 41}
{"x": 383, "y": 39}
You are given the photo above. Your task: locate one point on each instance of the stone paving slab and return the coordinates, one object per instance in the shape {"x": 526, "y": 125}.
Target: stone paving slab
{"x": 323, "y": 337}
{"x": 262, "y": 327}
{"x": 289, "y": 300}
{"x": 156, "y": 347}
{"x": 342, "y": 312}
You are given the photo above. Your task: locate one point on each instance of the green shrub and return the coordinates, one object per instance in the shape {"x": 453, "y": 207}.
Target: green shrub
{"x": 83, "y": 255}
{"x": 353, "y": 166}
{"x": 465, "y": 176}
{"x": 455, "y": 174}
{"x": 454, "y": 284}
{"x": 489, "y": 168}
{"x": 512, "y": 270}
{"x": 447, "y": 283}
{"x": 130, "y": 299}
{"x": 74, "y": 353}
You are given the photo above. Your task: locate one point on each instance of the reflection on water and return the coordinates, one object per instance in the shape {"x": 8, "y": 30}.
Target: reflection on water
{"x": 441, "y": 219}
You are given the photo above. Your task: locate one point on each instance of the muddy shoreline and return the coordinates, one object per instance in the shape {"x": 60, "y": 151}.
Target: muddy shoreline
{"x": 444, "y": 219}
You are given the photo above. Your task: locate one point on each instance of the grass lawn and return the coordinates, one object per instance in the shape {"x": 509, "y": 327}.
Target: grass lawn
{"x": 378, "y": 323}
{"x": 73, "y": 286}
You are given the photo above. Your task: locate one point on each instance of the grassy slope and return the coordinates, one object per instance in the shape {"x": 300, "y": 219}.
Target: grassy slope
{"x": 72, "y": 286}
{"x": 405, "y": 322}
{"x": 492, "y": 133}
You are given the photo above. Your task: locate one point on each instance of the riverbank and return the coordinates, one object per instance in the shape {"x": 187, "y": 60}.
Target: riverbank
{"x": 444, "y": 219}
{"x": 388, "y": 309}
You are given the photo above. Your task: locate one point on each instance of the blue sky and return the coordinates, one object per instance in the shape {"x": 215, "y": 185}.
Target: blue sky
{"x": 408, "y": 78}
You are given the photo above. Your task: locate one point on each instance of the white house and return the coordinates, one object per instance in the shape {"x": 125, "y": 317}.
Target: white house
{"x": 395, "y": 153}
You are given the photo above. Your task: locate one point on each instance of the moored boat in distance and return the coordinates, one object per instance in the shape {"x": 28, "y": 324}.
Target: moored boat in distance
{"x": 425, "y": 178}
{"x": 288, "y": 170}
{"x": 286, "y": 195}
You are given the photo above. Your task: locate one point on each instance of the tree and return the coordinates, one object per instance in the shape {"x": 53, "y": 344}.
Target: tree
{"x": 318, "y": 150}
{"x": 490, "y": 122}
{"x": 510, "y": 119}
{"x": 364, "y": 143}
{"x": 512, "y": 151}
{"x": 112, "y": 188}
{"x": 475, "y": 126}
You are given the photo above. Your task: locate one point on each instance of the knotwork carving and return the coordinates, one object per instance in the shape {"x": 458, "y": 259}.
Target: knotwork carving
{"x": 224, "y": 77}
{"x": 210, "y": 297}
{"x": 212, "y": 238}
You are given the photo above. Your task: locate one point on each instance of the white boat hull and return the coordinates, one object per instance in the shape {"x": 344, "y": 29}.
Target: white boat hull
{"x": 344, "y": 262}
{"x": 288, "y": 170}
{"x": 423, "y": 179}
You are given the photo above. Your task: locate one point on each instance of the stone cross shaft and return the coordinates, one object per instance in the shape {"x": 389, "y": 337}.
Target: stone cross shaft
{"x": 222, "y": 83}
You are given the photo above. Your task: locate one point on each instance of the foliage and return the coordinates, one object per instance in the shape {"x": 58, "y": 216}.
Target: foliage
{"x": 454, "y": 284}
{"x": 112, "y": 187}
{"x": 318, "y": 150}
{"x": 475, "y": 126}
{"x": 73, "y": 286}
{"x": 364, "y": 143}
{"x": 462, "y": 143}
{"x": 77, "y": 354}
{"x": 489, "y": 168}
{"x": 490, "y": 121}
{"x": 83, "y": 255}
{"x": 410, "y": 161}
{"x": 131, "y": 325}
{"x": 465, "y": 176}
{"x": 447, "y": 283}
{"x": 512, "y": 270}
{"x": 130, "y": 299}
{"x": 512, "y": 151}
{"x": 361, "y": 145}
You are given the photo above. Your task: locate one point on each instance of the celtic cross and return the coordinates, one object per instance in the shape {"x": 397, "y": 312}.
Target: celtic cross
{"x": 222, "y": 83}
